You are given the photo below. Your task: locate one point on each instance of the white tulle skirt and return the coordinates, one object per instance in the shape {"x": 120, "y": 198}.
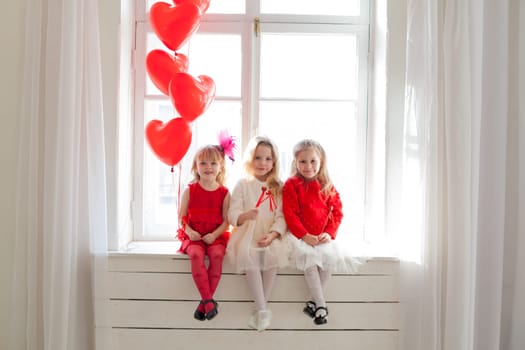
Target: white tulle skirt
{"x": 327, "y": 256}
{"x": 244, "y": 254}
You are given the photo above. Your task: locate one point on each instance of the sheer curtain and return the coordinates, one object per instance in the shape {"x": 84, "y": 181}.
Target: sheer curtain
{"x": 61, "y": 200}
{"x": 463, "y": 273}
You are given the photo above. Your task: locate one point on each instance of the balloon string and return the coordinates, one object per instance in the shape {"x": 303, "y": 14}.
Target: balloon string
{"x": 179, "y": 188}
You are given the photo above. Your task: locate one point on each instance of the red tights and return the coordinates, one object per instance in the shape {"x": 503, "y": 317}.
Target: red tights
{"x": 206, "y": 280}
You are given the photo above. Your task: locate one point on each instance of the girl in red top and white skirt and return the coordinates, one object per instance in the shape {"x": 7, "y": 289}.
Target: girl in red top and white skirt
{"x": 313, "y": 212}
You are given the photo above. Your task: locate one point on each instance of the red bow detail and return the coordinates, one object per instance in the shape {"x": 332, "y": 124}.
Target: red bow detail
{"x": 266, "y": 195}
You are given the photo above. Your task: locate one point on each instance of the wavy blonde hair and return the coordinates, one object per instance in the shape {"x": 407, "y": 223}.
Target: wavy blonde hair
{"x": 273, "y": 180}
{"x": 322, "y": 176}
{"x": 210, "y": 153}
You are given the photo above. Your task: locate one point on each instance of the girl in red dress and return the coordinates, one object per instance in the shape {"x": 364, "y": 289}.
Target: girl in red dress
{"x": 313, "y": 212}
{"x": 204, "y": 224}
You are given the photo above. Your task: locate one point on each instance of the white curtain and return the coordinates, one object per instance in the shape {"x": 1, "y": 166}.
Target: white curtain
{"x": 61, "y": 200}
{"x": 463, "y": 273}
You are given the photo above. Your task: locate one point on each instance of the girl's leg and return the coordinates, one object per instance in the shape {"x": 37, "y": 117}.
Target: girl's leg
{"x": 198, "y": 270}
{"x": 216, "y": 256}
{"x": 260, "y": 284}
{"x": 313, "y": 280}
{"x": 200, "y": 278}
{"x": 255, "y": 284}
{"x": 268, "y": 280}
{"x": 324, "y": 276}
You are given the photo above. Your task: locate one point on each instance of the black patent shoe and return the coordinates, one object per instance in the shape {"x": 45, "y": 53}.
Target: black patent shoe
{"x": 198, "y": 314}
{"x": 321, "y": 314}
{"x": 309, "y": 309}
{"x": 213, "y": 312}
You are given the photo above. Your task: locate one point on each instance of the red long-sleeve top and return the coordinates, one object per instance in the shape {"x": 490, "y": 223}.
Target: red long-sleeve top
{"x": 308, "y": 210}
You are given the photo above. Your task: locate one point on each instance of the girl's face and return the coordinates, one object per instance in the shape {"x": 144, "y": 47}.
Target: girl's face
{"x": 262, "y": 162}
{"x": 308, "y": 163}
{"x": 208, "y": 169}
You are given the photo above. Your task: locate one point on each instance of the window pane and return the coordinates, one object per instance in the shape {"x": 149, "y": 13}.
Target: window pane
{"x": 309, "y": 66}
{"x": 202, "y": 51}
{"x": 220, "y": 57}
{"x": 336, "y": 127}
{"x": 312, "y": 7}
{"x": 227, "y": 6}
{"x": 216, "y": 6}
{"x": 161, "y": 186}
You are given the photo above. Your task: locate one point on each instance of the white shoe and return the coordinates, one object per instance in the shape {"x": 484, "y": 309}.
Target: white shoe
{"x": 264, "y": 318}
{"x": 253, "y": 322}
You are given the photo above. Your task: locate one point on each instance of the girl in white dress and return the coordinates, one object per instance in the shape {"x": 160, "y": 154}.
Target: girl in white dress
{"x": 256, "y": 213}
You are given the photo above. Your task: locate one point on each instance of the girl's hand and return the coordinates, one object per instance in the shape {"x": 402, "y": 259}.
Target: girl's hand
{"x": 208, "y": 238}
{"x": 247, "y": 215}
{"x": 310, "y": 239}
{"x": 251, "y": 214}
{"x": 324, "y": 238}
{"x": 193, "y": 235}
{"x": 267, "y": 239}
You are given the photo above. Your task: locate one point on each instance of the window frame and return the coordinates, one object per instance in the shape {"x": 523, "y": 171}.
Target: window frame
{"x": 250, "y": 114}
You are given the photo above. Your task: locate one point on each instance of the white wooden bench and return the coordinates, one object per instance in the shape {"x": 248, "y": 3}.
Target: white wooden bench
{"x": 152, "y": 299}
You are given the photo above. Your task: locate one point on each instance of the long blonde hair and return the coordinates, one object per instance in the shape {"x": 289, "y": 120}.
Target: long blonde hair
{"x": 273, "y": 180}
{"x": 322, "y": 176}
{"x": 210, "y": 153}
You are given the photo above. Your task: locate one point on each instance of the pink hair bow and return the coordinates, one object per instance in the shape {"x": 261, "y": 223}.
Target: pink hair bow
{"x": 227, "y": 143}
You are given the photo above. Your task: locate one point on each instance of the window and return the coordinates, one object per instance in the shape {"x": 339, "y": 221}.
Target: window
{"x": 288, "y": 69}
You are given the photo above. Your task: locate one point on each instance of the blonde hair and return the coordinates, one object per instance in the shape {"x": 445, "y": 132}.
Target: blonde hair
{"x": 322, "y": 175}
{"x": 210, "y": 153}
{"x": 273, "y": 180}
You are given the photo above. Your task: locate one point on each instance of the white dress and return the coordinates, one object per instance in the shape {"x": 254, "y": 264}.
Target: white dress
{"x": 242, "y": 249}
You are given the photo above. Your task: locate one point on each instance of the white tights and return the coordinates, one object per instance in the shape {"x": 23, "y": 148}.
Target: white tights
{"x": 261, "y": 284}
{"x": 316, "y": 279}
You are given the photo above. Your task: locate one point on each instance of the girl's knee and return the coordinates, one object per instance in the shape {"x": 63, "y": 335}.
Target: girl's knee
{"x": 216, "y": 252}
{"x": 216, "y": 256}
{"x": 195, "y": 254}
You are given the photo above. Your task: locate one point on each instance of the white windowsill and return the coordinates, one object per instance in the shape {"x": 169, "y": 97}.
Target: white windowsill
{"x": 149, "y": 248}
{"x": 170, "y": 248}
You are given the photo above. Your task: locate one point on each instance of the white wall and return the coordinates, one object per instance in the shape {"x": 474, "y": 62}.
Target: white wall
{"x": 11, "y": 41}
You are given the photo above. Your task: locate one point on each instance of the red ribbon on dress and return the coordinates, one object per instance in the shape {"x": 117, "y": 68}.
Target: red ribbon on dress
{"x": 266, "y": 195}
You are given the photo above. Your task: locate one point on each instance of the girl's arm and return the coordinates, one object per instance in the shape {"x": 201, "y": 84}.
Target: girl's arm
{"x": 212, "y": 236}
{"x": 236, "y": 204}
{"x": 192, "y": 234}
{"x": 291, "y": 211}
{"x": 267, "y": 239}
{"x": 336, "y": 215}
{"x": 250, "y": 214}
{"x": 278, "y": 227}
{"x": 279, "y": 223}
{"x": 237, "y": 215}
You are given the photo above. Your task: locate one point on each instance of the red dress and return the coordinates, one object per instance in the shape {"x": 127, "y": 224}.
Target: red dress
{"x": 204, "y": 215}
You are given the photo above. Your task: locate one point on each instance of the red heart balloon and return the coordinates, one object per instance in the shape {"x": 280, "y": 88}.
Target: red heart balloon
{"x": 162, "y": 66}
{"x": 174, "y": 25}
{"x": 202, "y": 4}
{"x": 190, "y": 96}
{"x": 169, "y": 141}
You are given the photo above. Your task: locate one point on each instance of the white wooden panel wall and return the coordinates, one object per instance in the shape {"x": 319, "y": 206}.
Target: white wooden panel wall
{"x": 152, "y": 299}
